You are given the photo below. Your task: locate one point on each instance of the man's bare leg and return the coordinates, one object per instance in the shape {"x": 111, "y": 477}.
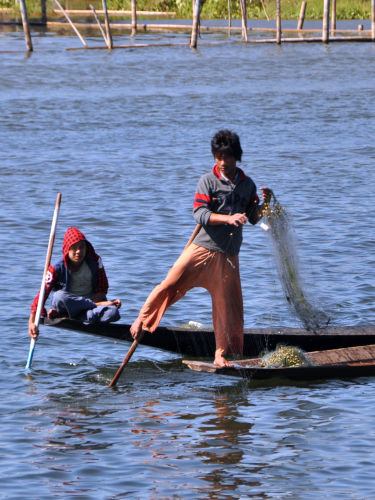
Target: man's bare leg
{"x": 220, "y": 360}
{"x": 136, "y": 328}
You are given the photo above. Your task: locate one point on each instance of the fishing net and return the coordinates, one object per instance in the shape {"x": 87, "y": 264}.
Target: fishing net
{"x": 277, "y": 223}
{"x": 285, "y": 356}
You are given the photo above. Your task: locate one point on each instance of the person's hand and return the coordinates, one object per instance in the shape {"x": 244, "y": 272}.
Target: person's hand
{"x": 52, "y": 313}
{"x": 115, "y": 302}
{"x": 237, "y": 219}
{"x": 136, "y": 329}
{"x": 33, "y": 330}
{"x": 266, "y": 194}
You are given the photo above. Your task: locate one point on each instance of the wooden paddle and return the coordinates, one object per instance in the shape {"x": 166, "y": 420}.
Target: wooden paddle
{"x": 198, "y": 227}
{"x": 134, "y": 345}
{"x": 43, "y": 285}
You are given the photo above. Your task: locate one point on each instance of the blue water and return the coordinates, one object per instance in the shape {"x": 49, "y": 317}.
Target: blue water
{"x": 124, "y": 136}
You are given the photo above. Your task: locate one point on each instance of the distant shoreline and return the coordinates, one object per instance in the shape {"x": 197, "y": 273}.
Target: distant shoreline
{"x": 211, "y": 10}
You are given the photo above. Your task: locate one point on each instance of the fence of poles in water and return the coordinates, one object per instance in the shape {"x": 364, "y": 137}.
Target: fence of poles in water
{"x": 196, "y": 25}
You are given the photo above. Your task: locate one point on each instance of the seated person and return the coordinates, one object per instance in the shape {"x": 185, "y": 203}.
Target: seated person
{"x": 80, "y": 285}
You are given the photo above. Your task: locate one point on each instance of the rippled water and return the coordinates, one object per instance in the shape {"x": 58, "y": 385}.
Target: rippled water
{"x": 124, "y": 136}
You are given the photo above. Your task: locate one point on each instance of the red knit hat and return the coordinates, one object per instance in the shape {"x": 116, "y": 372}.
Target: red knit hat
{"x": 73, "y": 236}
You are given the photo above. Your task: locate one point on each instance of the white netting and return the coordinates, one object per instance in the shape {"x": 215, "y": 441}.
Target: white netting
{"x": 278, "y": 224}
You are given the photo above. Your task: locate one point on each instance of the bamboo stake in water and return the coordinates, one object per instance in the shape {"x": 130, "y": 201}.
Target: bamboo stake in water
{"x": 43, "y": 285}
{"x": 134, "y": 17}
{"x": 244, "y": 19}
{"x": 43, "y": 9}
{"x": 278, "y": 22}
{"x": 265, "y": 10}
{"x": 333, "y": 17}
{"x": 325, "y": 27}
{"x": 26, "y": 25}
{"x": 196, "y": 21}
{"x": 107, "y": 25}
{"x": 71, "y": 24}
{"x": 301, "y": 18}
{"x": 100, "y": 25}
{"x": 229, "y": 19}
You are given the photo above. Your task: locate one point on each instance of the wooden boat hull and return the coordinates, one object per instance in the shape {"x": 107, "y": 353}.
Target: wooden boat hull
{"x": 334, "y": 363}
{"x": 201, "y": 343}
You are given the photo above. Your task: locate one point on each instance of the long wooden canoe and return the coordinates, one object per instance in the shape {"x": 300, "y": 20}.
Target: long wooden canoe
{"x": 344, "y": 362}
{"x": 201, "y": 343}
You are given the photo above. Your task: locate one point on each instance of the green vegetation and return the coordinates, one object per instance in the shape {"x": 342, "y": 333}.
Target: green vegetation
{"x": 218, "y": 9}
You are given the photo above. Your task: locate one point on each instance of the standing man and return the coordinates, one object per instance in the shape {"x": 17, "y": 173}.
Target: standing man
{"x": 225, "y": 200}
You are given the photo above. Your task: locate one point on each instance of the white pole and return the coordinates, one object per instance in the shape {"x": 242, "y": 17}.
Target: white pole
{"x": 42, "y": 291}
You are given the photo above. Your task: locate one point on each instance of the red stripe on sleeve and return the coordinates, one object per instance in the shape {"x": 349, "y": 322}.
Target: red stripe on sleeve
{"x": 201, "y": 199}
{"x": 199, "y": 204}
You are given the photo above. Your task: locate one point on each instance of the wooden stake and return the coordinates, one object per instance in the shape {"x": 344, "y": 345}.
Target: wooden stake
{"x": 26, "y": 25}
{"x": 244, "y": 19}
{"x": 43, "y": 8}
{"x": 325, "y": 27}
{"x": 196, "y": 20}
{"x": 71, "y": 24}
{"x": 229, "y": 19}
{"x": 333, "y": 17}
{"x": 107, "y": 25}
{"x": 134, "y": 17}
{"x": 278, "y": 22}
{"x": 301, "y": 18}
{"x": 265, "y": 10}
{"x": 100, "y": 25}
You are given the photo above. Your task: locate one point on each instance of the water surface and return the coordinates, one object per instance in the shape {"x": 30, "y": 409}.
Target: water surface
{"x": 124, "y": 136}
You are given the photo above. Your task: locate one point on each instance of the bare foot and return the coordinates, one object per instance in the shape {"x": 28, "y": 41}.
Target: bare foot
{"x": 136, "y": 328}
{"x": 221, "y": 361}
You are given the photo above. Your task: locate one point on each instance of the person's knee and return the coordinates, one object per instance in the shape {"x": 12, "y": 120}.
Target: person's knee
{"x": 102, "y": 314}
{"x": 58, "y": 301}
{"x": 110, "y": 314}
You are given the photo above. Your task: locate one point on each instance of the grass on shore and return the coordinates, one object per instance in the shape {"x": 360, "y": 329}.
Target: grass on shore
{"x": 218, "y": 9}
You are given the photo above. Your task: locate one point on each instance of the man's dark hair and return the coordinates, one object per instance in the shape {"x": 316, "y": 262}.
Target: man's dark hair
{"x": 226, "y": 141}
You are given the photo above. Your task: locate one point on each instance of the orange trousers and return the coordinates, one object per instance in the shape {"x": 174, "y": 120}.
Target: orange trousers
{"x": 216, "y": 272}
